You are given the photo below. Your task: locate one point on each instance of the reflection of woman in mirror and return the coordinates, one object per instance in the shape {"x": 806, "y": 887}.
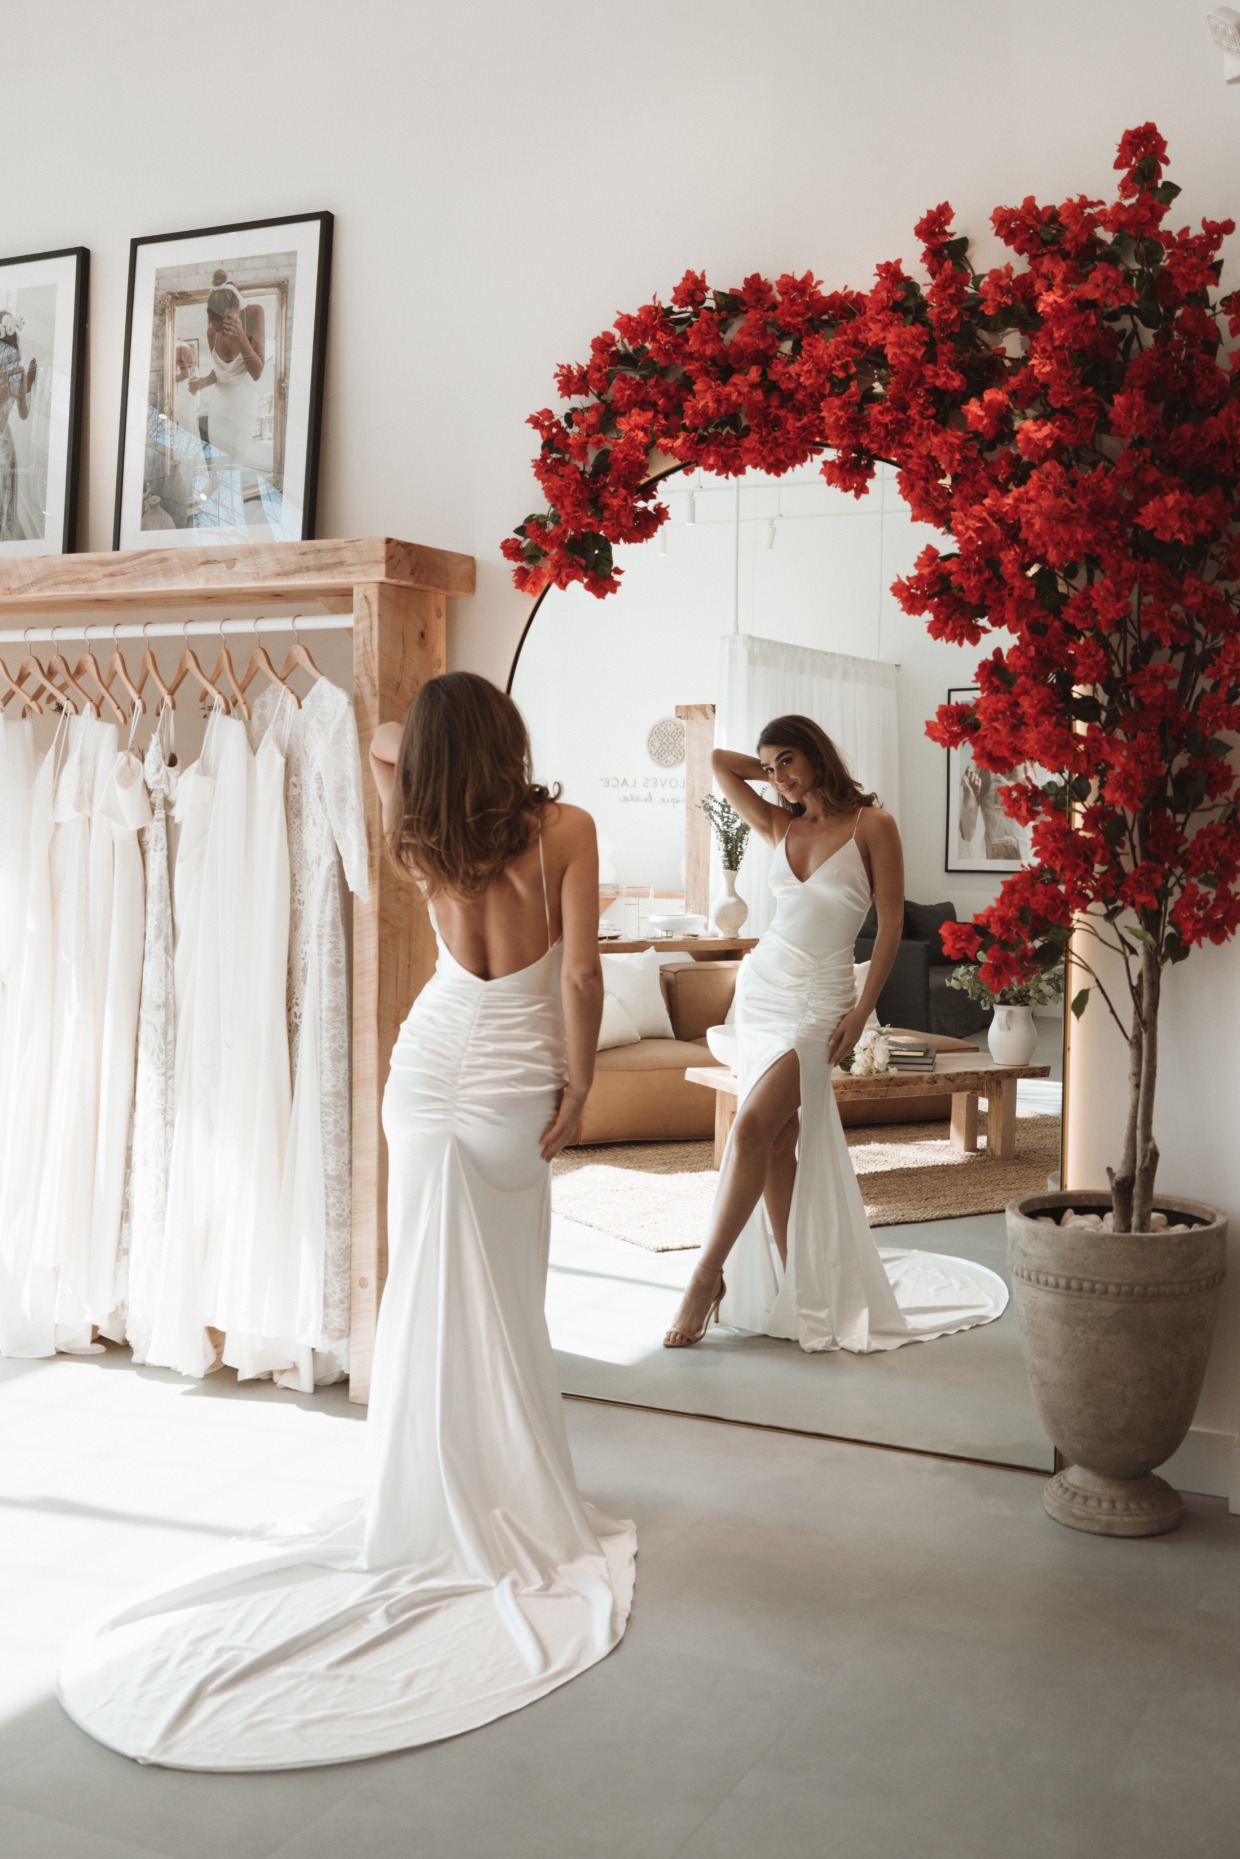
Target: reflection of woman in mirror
{"x": 806, "y": 1266}
{"x": 16, "y": 387}
{"x": 236, "y": 337}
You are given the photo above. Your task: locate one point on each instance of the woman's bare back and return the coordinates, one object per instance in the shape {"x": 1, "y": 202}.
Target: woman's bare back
{"x": 505, "y": 929}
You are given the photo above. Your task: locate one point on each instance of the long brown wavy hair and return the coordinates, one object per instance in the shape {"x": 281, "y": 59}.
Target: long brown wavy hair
{"x": 840, "y": 791}
{"x": 466, "y": 800}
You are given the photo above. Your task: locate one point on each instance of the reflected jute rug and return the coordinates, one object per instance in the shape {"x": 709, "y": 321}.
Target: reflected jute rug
{"x": 658, "y": 1195}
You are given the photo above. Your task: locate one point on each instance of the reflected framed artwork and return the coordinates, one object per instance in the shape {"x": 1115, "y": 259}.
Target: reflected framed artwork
{"x": 980, "y": 836}
{"x": 42, "y": 357}
{"x": 225, "y": 336}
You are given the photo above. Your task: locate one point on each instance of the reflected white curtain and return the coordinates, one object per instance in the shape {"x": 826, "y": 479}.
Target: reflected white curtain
{"x": 854, "y": 701}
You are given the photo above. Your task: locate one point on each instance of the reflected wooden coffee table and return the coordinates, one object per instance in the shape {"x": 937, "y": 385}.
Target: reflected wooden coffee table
{"x": 967, "y": 1076}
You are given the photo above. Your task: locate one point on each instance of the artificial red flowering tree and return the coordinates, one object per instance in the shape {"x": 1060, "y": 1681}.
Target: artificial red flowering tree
{"x": 1070, "y": 420}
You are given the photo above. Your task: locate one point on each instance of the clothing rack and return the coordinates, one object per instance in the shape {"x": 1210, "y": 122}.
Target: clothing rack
{"x": 44, "y": 632}
{"x": 393, "y": 597}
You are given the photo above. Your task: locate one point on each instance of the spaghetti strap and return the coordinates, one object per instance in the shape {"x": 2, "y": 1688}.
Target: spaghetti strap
{"x": 856, "y": 824}
{"x": 542, "y": 866}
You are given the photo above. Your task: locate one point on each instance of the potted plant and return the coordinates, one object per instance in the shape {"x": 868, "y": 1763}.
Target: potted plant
{"x": 1087, "y": 477}
{"x": 1070, "y": 422}
{"x": 731, "y": 836}
{"x": 1012, "y": 1036}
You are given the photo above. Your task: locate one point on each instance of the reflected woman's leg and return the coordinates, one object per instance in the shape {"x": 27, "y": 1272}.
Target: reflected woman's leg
{"x": 772, "y": 1103}
{"x": 781, "y": 1175}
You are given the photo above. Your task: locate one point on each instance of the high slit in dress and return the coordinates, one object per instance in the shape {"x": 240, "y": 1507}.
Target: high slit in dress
{"x": 471, "y": 1577}
{"x": 838, "y": 1290}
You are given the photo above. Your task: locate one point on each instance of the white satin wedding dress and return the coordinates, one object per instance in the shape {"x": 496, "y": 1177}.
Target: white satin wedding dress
{"x": 471, "y": 1578}
{"x": 838, "y": 1291}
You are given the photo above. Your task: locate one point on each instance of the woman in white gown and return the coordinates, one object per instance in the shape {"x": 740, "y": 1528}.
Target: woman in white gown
{"x": 470, "y": 1578}
{"x": 805, "y": 1264}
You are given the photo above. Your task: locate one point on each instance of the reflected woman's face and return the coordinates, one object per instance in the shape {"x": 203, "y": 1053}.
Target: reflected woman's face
{"x": 790, "y": 771}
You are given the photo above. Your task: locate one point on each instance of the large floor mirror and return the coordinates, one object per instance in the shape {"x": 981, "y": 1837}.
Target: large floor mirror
{"x": 622, "y": 697}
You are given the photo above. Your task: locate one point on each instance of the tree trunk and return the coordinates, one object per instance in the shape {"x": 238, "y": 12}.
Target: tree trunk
{"x": 1123, "y": 1184}
{"x": 1147, "y": 1148}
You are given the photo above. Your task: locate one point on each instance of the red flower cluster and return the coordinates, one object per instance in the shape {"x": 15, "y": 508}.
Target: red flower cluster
{"x": 1070, "y": 422}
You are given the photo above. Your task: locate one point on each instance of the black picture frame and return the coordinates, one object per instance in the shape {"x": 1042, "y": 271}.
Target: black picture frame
{"x": 69, "y": 268}
{"x": 284, "y": 493}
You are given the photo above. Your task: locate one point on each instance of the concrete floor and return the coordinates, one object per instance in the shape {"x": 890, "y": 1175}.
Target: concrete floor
{"x": 834, "y": 1650}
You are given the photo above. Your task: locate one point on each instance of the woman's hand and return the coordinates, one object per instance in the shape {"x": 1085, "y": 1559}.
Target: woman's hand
{"x": 565, "y": 1125}
{"x": 194, "y": 383}
{"x": 846, "y": 1034}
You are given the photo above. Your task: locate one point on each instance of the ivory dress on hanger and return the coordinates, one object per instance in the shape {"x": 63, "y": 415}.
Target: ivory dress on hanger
{"x": 471, "y": 1578}
{"x": 62, "y": 1238}
{"x": 213, "y": 798}
{"x": 150, "y": 1146}
{"x": 124, "y": 808}
{"x": 838, "y": 1291}
{"x": 326, "y": 825}
{"x": 27, "y": 1288}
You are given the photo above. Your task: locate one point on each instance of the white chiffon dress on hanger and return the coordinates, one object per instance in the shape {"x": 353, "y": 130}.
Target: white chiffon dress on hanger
{"x": 471, "y": 1578}
{"x": 27, "y": 1287}
{"x": 150, "y": 1144}
{"x": 838, "y": 1291}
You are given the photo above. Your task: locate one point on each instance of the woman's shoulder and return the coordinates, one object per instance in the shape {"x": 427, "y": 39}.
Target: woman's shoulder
{"x": 571, "y": 825}
{"x": 875, "y": 824}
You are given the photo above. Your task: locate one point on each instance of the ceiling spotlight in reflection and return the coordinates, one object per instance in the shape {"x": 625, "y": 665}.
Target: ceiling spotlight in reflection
{"x": 770, "y": 533}
{"x": 691, "y": 508}
{"x": 663, "y": 540}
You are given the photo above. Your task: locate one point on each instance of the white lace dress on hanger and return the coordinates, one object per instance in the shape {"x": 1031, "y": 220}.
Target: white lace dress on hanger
{"x": 326, "y": 830}
{"x": 124, "y": 808}
{"x": 150, "y": 1146}
{"x": 27, "y": 1289}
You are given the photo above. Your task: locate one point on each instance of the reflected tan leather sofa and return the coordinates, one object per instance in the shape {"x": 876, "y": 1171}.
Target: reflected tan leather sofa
{"x": 640, "y": 1093}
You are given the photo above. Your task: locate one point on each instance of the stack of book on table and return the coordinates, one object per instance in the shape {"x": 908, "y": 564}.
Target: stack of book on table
{"x": 910, "y": 1055}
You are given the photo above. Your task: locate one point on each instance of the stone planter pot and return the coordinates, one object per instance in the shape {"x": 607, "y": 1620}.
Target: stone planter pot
{"x": 1116, "y": 1332}
{"x": 1012, "y": 1037}
{"x": 729, "y": 911}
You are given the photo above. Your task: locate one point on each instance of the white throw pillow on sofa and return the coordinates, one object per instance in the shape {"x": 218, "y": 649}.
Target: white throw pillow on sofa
{"x": 861, "y": 972}
{"x": 616, "y": 1028}
{"x": 633, "y": 981}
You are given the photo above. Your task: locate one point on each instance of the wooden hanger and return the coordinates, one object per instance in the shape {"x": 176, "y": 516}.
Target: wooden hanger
{"x": 189, "y": 667}
{"x": 31, "y": 667}
{"x": 298, "y": 655}
{"x": 225, "y": 669}
{"x": 58, "y": 666}
{"x": 9, "y": 687}
{"x": 260, "y": 660}
{"x": 150, "y": 670}
{"x": 88, "y": 667}
{"x": 117, "y": 668}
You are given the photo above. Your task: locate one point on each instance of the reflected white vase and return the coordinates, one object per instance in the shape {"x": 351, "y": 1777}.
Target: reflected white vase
{"x": 1012, "y": 1037}
{"x": 729, "y": 911}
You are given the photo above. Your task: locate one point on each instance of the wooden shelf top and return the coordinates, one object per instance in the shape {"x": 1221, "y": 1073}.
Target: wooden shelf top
{"x": 679, "y": 945}
{"x": 326, "y": 570}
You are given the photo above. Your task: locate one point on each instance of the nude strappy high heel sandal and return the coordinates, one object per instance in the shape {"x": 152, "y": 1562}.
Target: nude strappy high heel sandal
{"x": 683, "y": 1339}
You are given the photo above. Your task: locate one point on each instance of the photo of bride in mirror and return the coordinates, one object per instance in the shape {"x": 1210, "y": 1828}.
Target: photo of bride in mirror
{"x": 788, "y": 1212}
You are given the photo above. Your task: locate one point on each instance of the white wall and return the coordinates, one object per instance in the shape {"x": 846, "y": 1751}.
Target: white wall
{"x": 506, "y": 177}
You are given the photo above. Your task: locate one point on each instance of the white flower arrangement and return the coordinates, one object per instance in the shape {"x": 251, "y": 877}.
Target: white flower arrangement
{"x": 871, "y": 1055}
{"x": 10, "y": 324}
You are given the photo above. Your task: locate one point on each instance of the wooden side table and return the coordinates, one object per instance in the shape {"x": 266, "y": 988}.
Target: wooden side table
{"x": 966, "y": 1075}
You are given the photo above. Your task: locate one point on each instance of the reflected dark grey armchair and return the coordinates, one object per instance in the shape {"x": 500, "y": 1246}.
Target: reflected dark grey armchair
{"x": 917, "y": 995}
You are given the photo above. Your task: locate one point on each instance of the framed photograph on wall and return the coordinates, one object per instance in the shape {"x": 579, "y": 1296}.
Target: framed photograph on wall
{"x": 980, "y": 836}
{"x": 42, "y": 360}
{"x": 225, "y": 336}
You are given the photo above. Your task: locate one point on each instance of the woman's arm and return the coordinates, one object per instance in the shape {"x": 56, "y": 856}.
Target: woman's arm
{"x": 250, "y": 330}
{"x": 197, "y": 382}
{"x": 581, "y": 979}
{"x": 879, "y": 838}
{"x": 734, "y": 772}
{"x": 384, "y": 753}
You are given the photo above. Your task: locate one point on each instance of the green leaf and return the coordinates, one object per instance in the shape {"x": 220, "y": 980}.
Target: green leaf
{"x": 1142, "y": 936}
{"x": 1078, "y": 1003}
